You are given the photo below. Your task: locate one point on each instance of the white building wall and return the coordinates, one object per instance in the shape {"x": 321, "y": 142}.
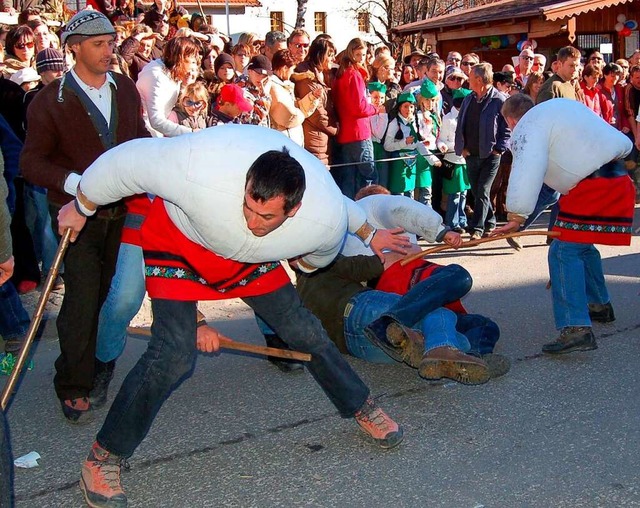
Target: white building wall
{"x": 342, "y": 21}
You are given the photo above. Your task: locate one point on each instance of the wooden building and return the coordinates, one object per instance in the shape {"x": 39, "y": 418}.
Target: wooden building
{"x": 586, "y": 24}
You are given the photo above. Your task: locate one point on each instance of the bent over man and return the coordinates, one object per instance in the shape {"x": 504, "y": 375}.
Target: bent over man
{"x": 225, "y": 212}
{"x": 563, "y": 144}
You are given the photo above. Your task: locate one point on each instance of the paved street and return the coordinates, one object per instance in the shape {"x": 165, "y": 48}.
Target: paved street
{"x": 553, "y": 432}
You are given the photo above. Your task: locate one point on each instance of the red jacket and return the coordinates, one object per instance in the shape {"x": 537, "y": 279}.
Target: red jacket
{"x": 352, "y": 107}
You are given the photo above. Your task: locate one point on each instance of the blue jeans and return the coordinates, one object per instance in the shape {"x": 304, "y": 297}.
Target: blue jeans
{"x": 576, "y": 280}
{"x": 351, "y": 179}
{"x": 455, "y": 216}
{"x": 547, "y": 197}
{"x": 38, "y": 221}
{"x": 14, "y": 320}
{"x": 171, "y": 353}
{"x": 123, "y": 302}
{"x": 482, "y": 173}
{"x": 438, "y": 327}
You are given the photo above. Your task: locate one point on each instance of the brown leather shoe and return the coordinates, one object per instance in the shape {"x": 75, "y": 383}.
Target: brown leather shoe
{"x": 410, "y": 343}
{"x": 451, "y": 363}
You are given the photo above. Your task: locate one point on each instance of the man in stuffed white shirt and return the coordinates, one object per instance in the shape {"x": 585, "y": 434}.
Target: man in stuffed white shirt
{"x": 226, "y": 211}
{"x": 563, "y": 144}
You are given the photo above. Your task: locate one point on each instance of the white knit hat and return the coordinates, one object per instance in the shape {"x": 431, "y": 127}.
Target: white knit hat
{"x": 88, "y": 23}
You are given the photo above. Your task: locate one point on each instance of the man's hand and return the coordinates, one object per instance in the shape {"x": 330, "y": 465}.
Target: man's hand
{"x": 452, "y": 239}
{"x": 6, "y": 270}
{"x": 208, "y": 339}
{"x": 390, "y": 239}
{"x": 509, "y": 227}
{"x": 69, "y": 218}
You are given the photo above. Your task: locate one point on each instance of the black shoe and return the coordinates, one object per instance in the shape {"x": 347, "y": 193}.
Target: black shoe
{"x": 77, "y": 411}
{"x": 572, "y": 338}
{"x": 458, "y": 229}
{"x": 601, "y": 313}
{"x": 101, "y": 379}
{"x": 284, "y": 364}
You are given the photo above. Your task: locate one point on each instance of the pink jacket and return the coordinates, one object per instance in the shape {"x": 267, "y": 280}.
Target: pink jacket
{"x": 351, "y": 106}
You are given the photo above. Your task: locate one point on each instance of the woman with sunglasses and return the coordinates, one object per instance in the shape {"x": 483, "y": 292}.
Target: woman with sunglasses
{"x": 19, "y": 50}
{"x": 384, "y": 68}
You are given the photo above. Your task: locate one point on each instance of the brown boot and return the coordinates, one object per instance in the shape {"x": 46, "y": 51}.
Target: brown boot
{"x": 409, "y": 342}
{"x": 451, "y": 363}
{"x": 572, "y": 338}
{"x": 100, "y": 480}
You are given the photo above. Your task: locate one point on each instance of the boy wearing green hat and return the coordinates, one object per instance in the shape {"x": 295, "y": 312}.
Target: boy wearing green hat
{"x": 429, "y": 123}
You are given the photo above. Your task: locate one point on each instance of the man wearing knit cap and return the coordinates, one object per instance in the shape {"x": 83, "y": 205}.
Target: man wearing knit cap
{"x": 72, "y": 121}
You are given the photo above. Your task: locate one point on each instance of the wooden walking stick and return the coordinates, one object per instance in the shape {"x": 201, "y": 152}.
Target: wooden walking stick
{"x": 242, "y": 346}
{"x": 472, "y": 243}
{"x": 35, "y": 321}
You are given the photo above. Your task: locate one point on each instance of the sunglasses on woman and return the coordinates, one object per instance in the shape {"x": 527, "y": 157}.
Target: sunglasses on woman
{"x": 22, "y": 45}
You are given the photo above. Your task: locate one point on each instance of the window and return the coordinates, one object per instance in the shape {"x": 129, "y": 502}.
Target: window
{"x": 320, "y": 22}
{"x": 363, "y": 22}
{"x": 277, "y": 21}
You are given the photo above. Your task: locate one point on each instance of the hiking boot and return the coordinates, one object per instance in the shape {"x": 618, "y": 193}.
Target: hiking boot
{"x": 515, "y": 243}
{"x": 498, "y": 365}
{"x": 77, "y": 411}
{"x": 572, "y": 338}
{"x": 377, "y": 424}
{"x": 101, "y": 379}
{"x": 284, "y": 364}
{"x": 600, "y": 312}
{"x": 409, "y": 341}
{"x": 451, "y": 363}
{"x": 100, "y": 479}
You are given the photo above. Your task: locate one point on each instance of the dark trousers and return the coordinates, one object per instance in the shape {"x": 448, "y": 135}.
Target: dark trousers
{"x": 482, "y": 172}
{"x": 90, "y": 263}
{"x": 171, "y": 353}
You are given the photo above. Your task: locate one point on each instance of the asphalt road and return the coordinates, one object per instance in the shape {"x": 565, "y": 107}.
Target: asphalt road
{"x": 553, "y": 432}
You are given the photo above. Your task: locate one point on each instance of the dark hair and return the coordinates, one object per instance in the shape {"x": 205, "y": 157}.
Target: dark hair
{"x": 591, "y": 70}
{"x": 611, "y": 68}
{"x": 281, "y": 59}
{"x": 276, "y": 173}
{"x": 15, "y": 35}
{"x": 24, "y": 15}
{"x": 318, "y": 50}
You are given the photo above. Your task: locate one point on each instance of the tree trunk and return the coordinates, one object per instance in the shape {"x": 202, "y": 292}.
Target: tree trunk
{"x": 302, "y": 10}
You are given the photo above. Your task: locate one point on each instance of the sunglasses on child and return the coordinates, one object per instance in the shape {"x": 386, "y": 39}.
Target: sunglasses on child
{"x": 192, "y": 104}
{"x": 22, "y": 45}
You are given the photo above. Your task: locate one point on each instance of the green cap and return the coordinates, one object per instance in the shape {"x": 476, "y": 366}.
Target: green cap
{"x": 406, "y": 97}
{"x": 428, "y": 89}
{"x": 376, "y": 86}
{"x": 460, "y": 93}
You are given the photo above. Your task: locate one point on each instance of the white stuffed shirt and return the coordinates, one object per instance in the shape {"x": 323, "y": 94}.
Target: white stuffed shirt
{"x": 558, "y": 142}
{"x": 385, "y": 211}
{"x": 201, "y": 177}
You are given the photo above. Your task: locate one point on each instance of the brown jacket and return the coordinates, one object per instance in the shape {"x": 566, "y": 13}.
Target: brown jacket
{"x": 322, "y": 123}
{"x": 62, "y": 139}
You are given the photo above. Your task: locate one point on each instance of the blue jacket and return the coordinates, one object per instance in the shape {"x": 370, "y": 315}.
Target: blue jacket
{"x": 494, "y": 133}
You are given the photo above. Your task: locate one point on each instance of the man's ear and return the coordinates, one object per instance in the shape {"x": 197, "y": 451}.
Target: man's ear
{"x": 294, "y": 210}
